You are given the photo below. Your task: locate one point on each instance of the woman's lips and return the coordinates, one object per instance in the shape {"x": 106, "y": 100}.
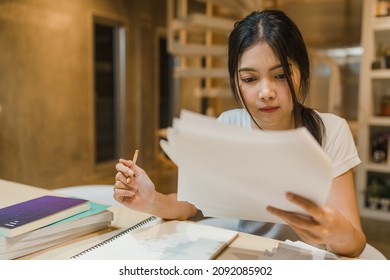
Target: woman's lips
{"x": 269, "y": 109}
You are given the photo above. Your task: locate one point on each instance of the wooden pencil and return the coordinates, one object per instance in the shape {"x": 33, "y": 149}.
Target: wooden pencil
{"x": 135, "y": 156}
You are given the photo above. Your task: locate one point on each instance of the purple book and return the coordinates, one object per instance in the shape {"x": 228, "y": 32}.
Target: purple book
{"x": 35, "y": 213}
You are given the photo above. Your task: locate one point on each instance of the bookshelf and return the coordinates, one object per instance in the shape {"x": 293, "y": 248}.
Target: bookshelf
{"x": 197, "y": 33}
{"x": 373, "y": 176}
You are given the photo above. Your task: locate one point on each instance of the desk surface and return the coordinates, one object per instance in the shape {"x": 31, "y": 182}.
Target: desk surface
{"x": 246, "y": 246}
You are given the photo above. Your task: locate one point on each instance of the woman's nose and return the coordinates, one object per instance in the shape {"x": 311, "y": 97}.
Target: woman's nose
{"x": 266, "y": 92}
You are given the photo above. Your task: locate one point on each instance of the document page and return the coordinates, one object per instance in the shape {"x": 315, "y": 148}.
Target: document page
{"x": 234, "y": 172}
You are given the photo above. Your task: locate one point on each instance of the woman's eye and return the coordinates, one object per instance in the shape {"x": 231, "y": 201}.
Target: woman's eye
{"x": 280, "y": 76}
{"x": 248, "y": 80}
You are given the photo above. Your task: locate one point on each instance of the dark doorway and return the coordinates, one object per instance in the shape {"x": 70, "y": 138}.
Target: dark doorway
{"x": 105, "y": 87}
{"x": 167, "y": 102}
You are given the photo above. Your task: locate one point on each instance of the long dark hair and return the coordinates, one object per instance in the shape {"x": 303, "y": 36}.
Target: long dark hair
{"x": 276, "y": 29}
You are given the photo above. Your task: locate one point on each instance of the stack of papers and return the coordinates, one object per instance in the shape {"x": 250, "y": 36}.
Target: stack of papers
{"x": 230, "y": 171}
{"x": 297, "y": 250}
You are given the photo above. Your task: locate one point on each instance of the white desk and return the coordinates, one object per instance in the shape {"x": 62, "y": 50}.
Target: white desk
{"x": 246, "y": 246}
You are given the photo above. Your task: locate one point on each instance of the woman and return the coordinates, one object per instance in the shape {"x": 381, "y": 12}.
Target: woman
{"x": 269, "y": 76}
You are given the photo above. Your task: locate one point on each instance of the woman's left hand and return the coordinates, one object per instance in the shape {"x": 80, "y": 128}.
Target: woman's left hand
{"x": 336, "y": 225}
{"x": 318, "y": 227}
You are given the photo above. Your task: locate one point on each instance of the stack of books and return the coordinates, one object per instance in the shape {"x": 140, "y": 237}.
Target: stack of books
{"x": 46, "y": 221}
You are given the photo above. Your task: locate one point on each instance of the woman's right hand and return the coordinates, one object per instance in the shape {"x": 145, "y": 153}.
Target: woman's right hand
{"x": 133, "y": 187}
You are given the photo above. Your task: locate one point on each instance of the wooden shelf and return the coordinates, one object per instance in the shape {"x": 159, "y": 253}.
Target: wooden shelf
{"x": 381, "y": 23}
{"x": 198, "y": 50}
{"x": 201, "y": 22}
{"x": 213, "y": 92}
{"x": 379, "y": 121}
{"x": 200, "y": 73}
{"x": 375, "y": 30}
{"x": 375, "y": 214}
{"x": 380, "y": 74}
{"x": 378, "y": 167}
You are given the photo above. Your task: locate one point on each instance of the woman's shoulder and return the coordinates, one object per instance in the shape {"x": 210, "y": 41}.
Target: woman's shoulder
{"x": 236, "y": 117}
{"x": 335, "y": 126}
{"x": 331, "y": 121}
{"x": 339, "y": 143}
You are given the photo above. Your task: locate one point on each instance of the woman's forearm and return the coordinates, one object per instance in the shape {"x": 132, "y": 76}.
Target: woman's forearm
{"x": 351, "y": 246}
{"x": 168, "y": 207}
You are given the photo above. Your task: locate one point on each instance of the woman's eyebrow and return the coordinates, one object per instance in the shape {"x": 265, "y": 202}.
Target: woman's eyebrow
{"x": 250, "y": 69}
{"x": 275, "y": 67}
{"x": 247, "y": 69}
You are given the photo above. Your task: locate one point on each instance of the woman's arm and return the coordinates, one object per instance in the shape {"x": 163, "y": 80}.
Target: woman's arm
{"x": 342, "y": 198}
{"x": 168, "y": 207}
{"x": 140, "y": 194}
{"x": 337, "y": 225}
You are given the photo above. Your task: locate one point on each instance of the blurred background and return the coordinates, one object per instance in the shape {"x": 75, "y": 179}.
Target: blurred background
{"x": 85, "y": 82}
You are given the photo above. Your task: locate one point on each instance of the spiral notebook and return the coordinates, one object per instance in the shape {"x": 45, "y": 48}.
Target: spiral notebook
{"x": 152, "y": 239}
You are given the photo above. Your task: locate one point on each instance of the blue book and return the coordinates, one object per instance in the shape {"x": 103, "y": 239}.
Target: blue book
{"x": 35, "y": 213}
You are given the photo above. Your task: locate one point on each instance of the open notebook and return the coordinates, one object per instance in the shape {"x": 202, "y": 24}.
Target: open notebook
{"x": 155, "y": 240}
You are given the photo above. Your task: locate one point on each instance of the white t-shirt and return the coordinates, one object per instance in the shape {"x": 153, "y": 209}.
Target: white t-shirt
{"x": 338, "y": 144}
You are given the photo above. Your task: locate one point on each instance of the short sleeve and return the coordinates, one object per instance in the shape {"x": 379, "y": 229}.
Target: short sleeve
{"x": 339, "y": 145}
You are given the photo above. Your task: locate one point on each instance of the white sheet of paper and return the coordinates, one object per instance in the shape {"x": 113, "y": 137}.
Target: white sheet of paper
{"x": 229, "y": 171}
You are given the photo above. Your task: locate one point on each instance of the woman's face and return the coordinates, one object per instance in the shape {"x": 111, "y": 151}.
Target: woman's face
{"x": 264, "y": 89}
